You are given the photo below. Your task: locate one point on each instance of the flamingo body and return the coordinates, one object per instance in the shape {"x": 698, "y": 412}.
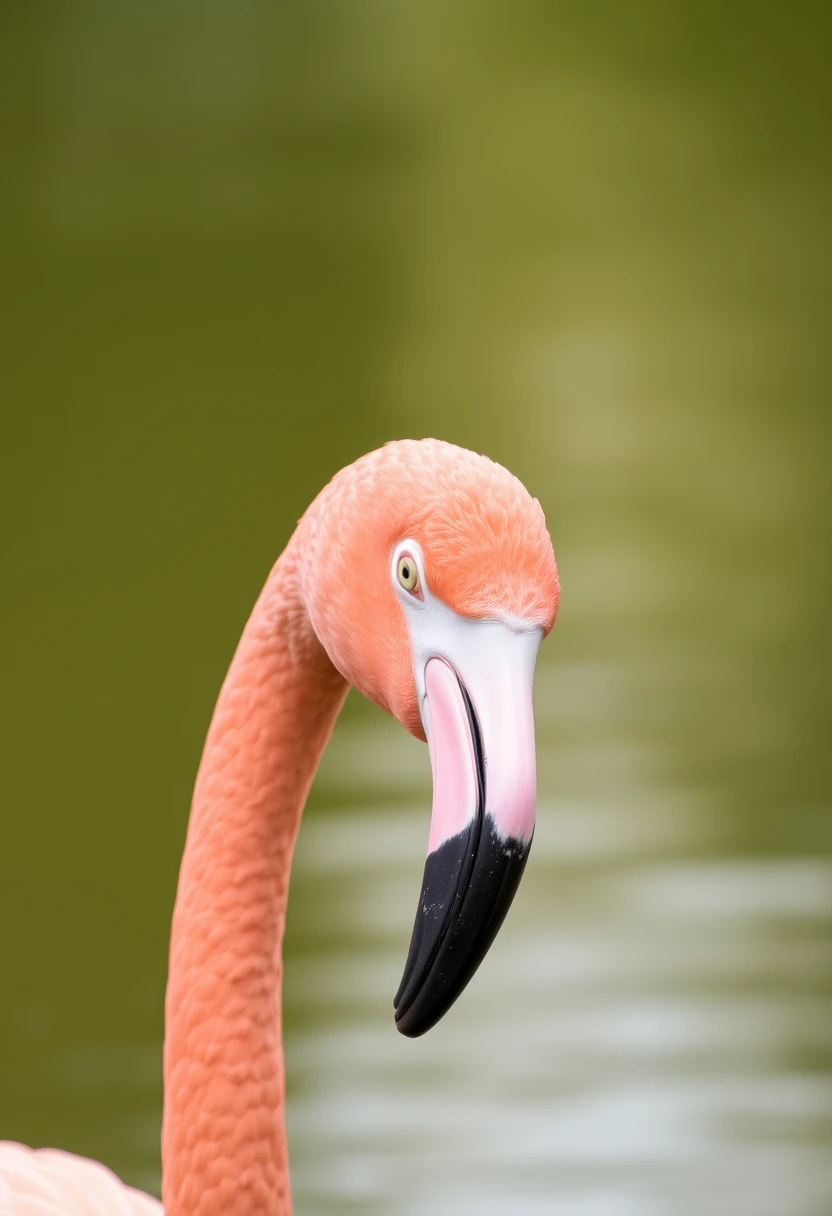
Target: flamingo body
{"x": 48, "y": 1182}
{"x": 424, "y": 576}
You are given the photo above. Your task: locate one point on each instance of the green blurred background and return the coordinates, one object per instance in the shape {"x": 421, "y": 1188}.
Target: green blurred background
{"x": 240, "y": 245}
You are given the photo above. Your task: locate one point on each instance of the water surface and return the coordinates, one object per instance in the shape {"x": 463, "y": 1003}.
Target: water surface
{"x": 242, "y": 245}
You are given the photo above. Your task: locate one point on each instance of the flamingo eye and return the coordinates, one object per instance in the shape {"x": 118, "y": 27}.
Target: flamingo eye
{"x": 407, "y": 574}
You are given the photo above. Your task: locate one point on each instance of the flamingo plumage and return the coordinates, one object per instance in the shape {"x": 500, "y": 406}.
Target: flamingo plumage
{"x": 423, "y": 575}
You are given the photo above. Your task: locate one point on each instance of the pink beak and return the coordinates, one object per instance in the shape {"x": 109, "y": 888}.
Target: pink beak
{"x": 478, "y": 718}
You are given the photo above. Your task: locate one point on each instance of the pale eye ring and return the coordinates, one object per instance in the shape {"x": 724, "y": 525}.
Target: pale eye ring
{"x": 407, "y": 574}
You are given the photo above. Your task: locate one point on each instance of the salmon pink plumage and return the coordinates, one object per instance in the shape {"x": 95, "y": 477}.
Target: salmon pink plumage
{"x": 424, "y": 575}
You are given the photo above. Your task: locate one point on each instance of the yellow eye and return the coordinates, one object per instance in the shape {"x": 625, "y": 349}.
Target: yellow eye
{"x": 406, "y": 573}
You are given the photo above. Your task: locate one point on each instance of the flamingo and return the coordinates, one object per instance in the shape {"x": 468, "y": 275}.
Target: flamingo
{"x": 423, "y": 575}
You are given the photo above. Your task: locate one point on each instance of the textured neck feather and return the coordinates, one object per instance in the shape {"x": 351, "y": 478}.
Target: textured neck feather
{"x": 223, "y": 1140}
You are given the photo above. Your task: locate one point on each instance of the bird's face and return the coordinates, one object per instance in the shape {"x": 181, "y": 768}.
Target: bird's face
{"x": 450, "y": 586}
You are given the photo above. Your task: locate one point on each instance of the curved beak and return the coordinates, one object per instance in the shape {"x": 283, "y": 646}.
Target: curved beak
{"x": 476, "y": 706}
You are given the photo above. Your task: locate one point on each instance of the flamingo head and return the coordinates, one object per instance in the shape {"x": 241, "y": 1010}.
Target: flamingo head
{"x": 429, "y": 578}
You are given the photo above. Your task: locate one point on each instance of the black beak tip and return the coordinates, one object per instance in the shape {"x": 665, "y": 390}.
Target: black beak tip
{"x": 413, "y": 1028}
{"x": 469, "y": 884}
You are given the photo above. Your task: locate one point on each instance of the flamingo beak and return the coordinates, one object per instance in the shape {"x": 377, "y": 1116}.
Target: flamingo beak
{"x": 477, "y": 712}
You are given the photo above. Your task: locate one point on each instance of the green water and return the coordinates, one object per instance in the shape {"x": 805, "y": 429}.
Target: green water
{"x": 242, "y": 244}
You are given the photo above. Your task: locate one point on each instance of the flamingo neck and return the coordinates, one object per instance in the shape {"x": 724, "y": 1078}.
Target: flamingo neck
{"x": 223, "y": 1138}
